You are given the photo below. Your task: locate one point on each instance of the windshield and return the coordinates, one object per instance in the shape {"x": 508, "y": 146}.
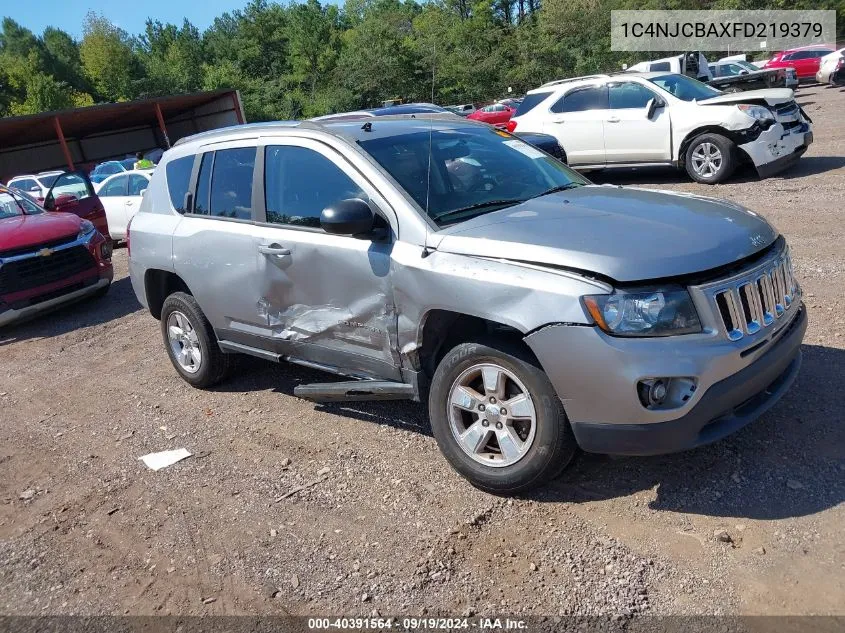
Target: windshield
{"x": 47, "y": 181}
{"x": 474, "y": 170}
{"x": 9, "y": 206}
{"x": 684, "y": 88}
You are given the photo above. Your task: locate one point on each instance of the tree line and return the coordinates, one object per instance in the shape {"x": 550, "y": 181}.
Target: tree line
{"x": 306, "y": 59}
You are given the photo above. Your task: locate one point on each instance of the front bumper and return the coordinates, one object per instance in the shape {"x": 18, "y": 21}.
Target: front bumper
{"x": 777, "y": 148}
{"x": 596, "y": 377}
{"x": 725, "y": 408}
{"x": 12, "y": 314}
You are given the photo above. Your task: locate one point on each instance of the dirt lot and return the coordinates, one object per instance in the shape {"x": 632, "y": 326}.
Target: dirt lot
{"x": 86, "y": 528}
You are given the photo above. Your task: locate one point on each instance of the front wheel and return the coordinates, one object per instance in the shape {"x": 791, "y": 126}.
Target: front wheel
{"x": 710, "y": 158}
{"x": 497, "y": 418}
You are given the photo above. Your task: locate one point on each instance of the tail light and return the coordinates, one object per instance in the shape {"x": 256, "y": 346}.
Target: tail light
{"x": 511, "y": 126}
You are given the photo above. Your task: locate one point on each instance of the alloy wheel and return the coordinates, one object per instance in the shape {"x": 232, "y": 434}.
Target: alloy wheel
{"x": 491, "y": 415}
{"x": 706, "y": 160}
{"x": 184, "y": 342}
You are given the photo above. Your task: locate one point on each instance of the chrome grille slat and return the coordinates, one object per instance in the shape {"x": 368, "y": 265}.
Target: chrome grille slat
{"x": 751, "y": 302}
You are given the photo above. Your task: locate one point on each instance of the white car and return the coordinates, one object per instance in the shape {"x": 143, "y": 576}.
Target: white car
{"x": 121, "y": 196}
{"x": 657, "y": 118}
{"x": 35, "y": 184}
{"x": 832, "y": 68}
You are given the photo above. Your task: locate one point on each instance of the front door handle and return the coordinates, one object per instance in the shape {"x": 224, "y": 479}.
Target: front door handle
{"x": 129, "y": 203}
{"x": 273, "y": 249}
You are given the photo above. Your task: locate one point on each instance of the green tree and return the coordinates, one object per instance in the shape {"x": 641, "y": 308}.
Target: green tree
{"x": 107, "y": 58}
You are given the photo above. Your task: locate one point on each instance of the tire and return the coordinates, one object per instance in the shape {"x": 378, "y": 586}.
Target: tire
{"x": 545, "y": 453}
{"x": 180, "y": 310}
{"x": 714, "y": 146}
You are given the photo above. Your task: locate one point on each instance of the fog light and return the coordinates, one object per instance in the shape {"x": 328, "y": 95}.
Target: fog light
{"x": 657, "y": 393}
{"x": 106, "y": 249}
{"x": 666, "y": 393}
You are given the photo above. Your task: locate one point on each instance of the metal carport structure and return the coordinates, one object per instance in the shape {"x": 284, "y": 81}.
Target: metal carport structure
{"x": 70, "y": 139}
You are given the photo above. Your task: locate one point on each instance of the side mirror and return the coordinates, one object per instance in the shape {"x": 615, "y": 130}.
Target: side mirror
{"x": 348, "y": 217}
{"x": 743, "y": 72}
{"x": 35, "y": 189}
{"x": 142, "y": 192}
{"x": 651, "y": 107}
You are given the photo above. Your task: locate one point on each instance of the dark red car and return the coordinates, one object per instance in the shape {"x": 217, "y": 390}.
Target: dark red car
{"x": 804, "y": 60}
{"x": 47, "y": 258}
{"x": 73, "y": 192}
{"x": 497, "y": 114}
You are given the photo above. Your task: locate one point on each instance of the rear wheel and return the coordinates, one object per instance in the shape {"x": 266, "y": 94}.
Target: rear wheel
{"x": 710, "y": 158}
{"x": 497, "y": 419}
{"x": 191, "y": 343}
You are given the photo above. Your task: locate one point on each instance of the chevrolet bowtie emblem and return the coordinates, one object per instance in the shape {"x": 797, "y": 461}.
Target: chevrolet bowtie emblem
{"x": 45, "y": 252}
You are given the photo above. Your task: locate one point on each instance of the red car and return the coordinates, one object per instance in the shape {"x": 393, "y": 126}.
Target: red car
{"x": 47, "y": 258}
{"x": 804, "y": 60}
{"x": 497, "y": 114}
{"x": 73, "y": 192}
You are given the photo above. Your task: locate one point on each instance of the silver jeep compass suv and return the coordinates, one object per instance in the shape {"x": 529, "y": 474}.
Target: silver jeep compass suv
{"x": 444, "y": 260}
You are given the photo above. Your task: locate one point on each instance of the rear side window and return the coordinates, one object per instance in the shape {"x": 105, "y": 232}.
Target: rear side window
{"x": 178, "y": 179}
{"x": 530, "y": 102}
{"x": 594, "y": 98}
{"x": 299, "y": 183}
{"x": 231, "y": 183}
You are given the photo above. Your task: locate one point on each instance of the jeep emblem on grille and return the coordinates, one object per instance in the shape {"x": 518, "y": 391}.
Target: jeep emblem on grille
{"x": 45, "y": 252}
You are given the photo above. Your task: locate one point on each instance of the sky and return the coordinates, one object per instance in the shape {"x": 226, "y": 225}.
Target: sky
{"x": 130, "y": 15}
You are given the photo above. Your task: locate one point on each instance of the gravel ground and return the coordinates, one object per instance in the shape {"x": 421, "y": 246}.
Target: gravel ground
{"x": 750, "y": 525}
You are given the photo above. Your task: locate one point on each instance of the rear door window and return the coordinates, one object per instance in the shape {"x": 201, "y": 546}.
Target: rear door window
{"x": 137, "y": 184}
{"x": 582, "y": 99}
{"x": 231, "y": 183}
{"x": 178, "y": 174}
{"x": 114, "y": 187}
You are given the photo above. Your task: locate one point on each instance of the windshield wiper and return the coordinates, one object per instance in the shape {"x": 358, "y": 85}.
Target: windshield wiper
{"x": 478, "y": 206}
{"x": 570, "y": 185}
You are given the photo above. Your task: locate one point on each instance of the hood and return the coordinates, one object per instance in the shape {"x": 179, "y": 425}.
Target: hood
{"x": 625, "y": 234}
{"x": 28, "y": 230}
{"x": 771, "y": 96}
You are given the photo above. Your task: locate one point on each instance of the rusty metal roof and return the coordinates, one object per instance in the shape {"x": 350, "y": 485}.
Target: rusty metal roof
{"x": 82, "y": 122}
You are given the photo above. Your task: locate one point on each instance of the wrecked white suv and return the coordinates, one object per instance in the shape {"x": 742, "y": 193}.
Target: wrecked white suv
{"x": 446, "y": 261}
{"x": 657, "y": 118}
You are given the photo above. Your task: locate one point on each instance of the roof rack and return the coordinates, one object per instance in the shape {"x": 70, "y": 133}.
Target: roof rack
{"x": 557, "y": 82}
{"x": 269, "y": 125}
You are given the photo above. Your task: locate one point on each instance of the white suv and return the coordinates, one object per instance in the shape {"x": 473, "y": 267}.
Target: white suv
{"x": 659, "y": 118}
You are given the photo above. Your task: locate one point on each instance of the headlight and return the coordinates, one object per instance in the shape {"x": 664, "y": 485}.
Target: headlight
{"x": 758, "y": 112}
{"x": 86, "y": 229}
{"x": 657, "y": 313}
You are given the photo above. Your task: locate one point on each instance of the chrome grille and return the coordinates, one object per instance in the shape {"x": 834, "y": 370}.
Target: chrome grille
{"x": 752, "y": 302}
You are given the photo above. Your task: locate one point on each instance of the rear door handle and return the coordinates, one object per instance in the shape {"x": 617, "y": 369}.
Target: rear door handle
{"x": 613, "y": 119}
{"x": 129, "y": 203}
{"x": 273, "y": 249}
